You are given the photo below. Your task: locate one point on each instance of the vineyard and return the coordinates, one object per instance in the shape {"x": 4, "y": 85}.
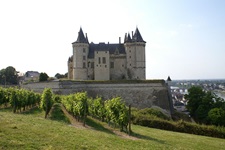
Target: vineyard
{"x": 19, "y": 99}
{"x": 113, "y": 111}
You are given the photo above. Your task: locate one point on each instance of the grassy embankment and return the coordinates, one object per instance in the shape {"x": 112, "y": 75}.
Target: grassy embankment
{"x": 31, "y": 131}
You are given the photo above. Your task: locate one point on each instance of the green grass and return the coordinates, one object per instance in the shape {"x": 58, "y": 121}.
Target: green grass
{"x": 30, "y": 130}
{"x": 57, "y": 114}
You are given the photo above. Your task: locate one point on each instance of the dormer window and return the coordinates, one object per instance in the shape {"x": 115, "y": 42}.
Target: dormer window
{"x": 116, "y": 52}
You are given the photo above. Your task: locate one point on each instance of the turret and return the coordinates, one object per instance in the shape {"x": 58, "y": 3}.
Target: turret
{"x": 135, "y": 51}
{"x": 80, "y": 56}
{"x": 140, "y": 55}
{"x": 70, "y": 68}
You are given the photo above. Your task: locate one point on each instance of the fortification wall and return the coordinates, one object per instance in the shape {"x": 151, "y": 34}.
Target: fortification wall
{"x": 140, "y": 95}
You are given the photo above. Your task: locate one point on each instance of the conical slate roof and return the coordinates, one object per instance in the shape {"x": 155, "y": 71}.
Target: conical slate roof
{"x": 81, "y": 38}
{"x": 127, "y": 38}
{"x": 137, "y": 36}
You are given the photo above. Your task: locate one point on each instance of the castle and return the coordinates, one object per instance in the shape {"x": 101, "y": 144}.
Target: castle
{"x": 106, "y": 61}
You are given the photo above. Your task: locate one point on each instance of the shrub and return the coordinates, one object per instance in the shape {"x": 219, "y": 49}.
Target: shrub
{"x": 180, "y": 126}
{"x": 47, "y": 101}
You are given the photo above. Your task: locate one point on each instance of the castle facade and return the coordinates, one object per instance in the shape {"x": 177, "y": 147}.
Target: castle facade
{"x": 106, "y": 61}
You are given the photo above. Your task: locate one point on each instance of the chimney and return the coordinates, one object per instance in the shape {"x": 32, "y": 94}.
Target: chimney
{"x": 119, "y": 40}
{"x": 132, "y": 34}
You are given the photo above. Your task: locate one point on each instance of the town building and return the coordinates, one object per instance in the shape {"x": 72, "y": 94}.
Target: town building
{"x": 31, "y": 76}
{"x": 106, "y": 61}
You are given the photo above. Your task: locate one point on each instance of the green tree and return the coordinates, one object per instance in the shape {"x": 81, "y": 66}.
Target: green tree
{"x": 43, "y": 77}
{"x": 8, "y": 76}
{"x": 217, "y": 116}
{"x": 66, "y": 75}
{"x": 201, "y": 104}
{"x": 47, "y": 100}
{"x": 58, "y": 76}
{"x": 194, "y": 98}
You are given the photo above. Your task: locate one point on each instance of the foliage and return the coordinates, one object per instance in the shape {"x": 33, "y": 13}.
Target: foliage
{"x": 149, "y": 111}
{"x": 176, "y": 116}
{"x": 43, "y": 77}
{"x": 77, "y": 104}
{"x": 116, "y": 112}
{"x": 4, "y": 96}
{"x": 96, "y": 108}
{"x": 18, "y": 98}
{"x": 200, "y": 103}
{"x": 8, "y": 76}
{"x": 57, "y": 114}
{"x": 57, "y": 98}
{"x": 217, "y": 116}
{"x": 47, "y": 100}
{"x": 59, "y": 76}
{"x": 180, "y": 126}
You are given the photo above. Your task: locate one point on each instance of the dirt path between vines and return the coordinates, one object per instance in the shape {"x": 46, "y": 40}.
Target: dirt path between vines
{"x": 73, "y": 121}
{"x": 77, "y": 124}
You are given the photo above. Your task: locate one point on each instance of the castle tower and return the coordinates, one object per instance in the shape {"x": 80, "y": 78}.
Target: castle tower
{"x": 80, "y": 57}
{"x": 135, "y": 55}
{"x": 70, "y": 67}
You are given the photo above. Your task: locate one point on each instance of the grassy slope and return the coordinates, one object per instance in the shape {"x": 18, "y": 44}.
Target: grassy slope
{"x": 32, "y": 131}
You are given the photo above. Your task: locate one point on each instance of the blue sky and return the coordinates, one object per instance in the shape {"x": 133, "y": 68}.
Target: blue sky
{"x": 185, "y": 38}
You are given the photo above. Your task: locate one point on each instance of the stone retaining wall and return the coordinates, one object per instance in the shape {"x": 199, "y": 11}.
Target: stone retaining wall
{"x": 140, "y": 95}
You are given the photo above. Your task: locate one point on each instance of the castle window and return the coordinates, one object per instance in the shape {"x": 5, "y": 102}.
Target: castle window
{"x": 130, "y": 64}
{"x": 84, "y": 65}
{"x": 99, "y": 60}
{"x": 103, "y": 60}
{"x": 130, "y": 56}
{"x": 105, "y": 66}
{"x": 92, "y": 64}
{"x": 111, "y": 64}
{"x": 84, "y": 51}
{"x": 122, "y": 65}
{"x": 84, "y": 57}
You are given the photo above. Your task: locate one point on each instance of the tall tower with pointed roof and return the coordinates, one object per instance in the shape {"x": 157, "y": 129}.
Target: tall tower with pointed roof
{"x": 135, "y": 55}
{"x": 80, "y": 56}
{"x": 108, "y": 61}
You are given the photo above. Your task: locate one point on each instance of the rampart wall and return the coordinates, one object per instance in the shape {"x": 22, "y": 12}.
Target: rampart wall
{"x": 140, "y": 95}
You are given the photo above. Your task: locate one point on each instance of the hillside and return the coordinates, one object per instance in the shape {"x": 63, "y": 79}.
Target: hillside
{"x": 31, "y": 131}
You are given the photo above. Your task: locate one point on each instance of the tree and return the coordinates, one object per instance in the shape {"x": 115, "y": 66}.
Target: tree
{"x": 8, "y": 76}
{"x": 66, "y": 75}
{"x": 205, "y": 107}
{"x": 217, "y": 116}
{"x": 43, "y": 77}
{"x": 194, "y": 99}
{"x": 58, "y": 76}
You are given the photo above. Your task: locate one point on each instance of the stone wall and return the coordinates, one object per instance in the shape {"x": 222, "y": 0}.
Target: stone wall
{"x": 140, "y": 95}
